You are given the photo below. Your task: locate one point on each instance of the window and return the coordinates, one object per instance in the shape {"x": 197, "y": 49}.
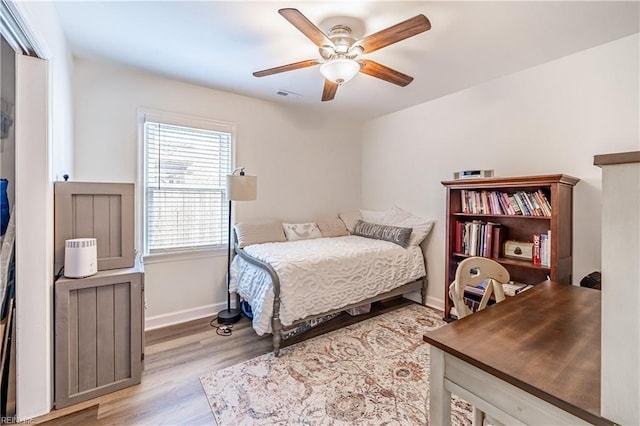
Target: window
{"x": 184, "y": 174}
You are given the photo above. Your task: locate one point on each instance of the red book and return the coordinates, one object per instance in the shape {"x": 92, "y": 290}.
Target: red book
{"x": 489, "y": 239}
{"x": 536, "y": 249}
{"x": 498, "y": 237}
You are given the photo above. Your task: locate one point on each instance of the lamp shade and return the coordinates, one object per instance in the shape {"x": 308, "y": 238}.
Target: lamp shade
{"x": 242, "y": 187}
{"x": 340, "y": 70}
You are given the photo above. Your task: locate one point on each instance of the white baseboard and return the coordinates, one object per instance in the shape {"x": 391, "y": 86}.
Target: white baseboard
{"x": 185, "y": 315}
{"x": 177, "y": 317}
{"x": 432, "y": 302}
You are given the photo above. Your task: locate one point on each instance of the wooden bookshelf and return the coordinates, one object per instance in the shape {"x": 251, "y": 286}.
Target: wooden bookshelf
{"x": 558, "y": 190}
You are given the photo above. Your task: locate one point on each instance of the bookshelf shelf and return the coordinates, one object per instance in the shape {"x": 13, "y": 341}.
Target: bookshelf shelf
{"x": 557, "y": 190}
{"x": 508, "y": 261}
{"x": 471, "y": 215}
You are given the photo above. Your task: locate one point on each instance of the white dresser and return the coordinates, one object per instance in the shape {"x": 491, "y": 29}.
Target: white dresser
{"x": 620, "y": 392}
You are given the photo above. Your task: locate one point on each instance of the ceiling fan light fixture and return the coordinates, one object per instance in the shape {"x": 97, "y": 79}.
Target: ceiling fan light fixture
{"x": 340, "y": 70}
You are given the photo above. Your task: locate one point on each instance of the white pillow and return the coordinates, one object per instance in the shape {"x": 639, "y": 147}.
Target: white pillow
{"x": 332, "y": 227}
{"x": 301, "y": 231}
{"x": 396, "y": 216}
{"x": 256, "y": 233}
{"x": 350, "y": 219}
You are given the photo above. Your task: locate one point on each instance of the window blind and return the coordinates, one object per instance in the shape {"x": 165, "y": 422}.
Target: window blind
{"x": 184, "y": 179}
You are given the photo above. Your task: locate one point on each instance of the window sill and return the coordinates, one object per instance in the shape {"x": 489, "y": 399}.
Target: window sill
{"x": 179, "y": 256}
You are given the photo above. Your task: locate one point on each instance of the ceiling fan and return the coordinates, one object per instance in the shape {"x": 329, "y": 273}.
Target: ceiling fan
{"x": 341, "y": 52}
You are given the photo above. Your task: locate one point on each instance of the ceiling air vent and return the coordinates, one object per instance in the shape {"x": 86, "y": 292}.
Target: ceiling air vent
{"x": 288, "y": 94}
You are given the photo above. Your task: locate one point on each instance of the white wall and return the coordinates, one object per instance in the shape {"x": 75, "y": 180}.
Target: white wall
{"x": 307, "y": 166}
{"x": 43, "y": 146}
{"x": 552, "y": 118}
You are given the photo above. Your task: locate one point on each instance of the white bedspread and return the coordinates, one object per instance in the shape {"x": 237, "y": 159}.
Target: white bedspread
{"x": 321, "y": 274}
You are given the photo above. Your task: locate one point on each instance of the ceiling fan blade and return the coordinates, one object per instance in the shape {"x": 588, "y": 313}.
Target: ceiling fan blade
{"x": 305, "y": 26}
{"x": 329, "y": 91}
{"x": 394, "y": 34}
{"x": 288, "y": 67}
{"x": 385, "y": 73}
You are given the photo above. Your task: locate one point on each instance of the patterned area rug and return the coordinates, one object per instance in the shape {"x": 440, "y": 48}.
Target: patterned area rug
{"x": 371, "y": 373}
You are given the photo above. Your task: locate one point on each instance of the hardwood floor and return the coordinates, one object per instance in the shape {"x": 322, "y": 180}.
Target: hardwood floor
{"x": 175, "y": 359}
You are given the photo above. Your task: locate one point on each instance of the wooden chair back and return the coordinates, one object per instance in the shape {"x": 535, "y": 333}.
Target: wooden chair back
{"x": 472, "y": 271}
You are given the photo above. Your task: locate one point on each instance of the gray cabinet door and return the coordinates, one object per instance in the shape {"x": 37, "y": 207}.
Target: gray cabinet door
{"x": 98, "y": 334}
{"x": 104, "y": 211}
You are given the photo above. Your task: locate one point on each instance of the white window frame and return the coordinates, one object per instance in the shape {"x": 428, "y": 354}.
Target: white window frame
{"x": 145, "y": 114}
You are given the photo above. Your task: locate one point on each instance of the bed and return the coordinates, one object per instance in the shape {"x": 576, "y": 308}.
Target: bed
{"x": 293, "y": 279}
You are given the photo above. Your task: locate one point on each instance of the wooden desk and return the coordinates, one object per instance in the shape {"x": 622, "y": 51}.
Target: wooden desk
{"x": 533, "y": 359}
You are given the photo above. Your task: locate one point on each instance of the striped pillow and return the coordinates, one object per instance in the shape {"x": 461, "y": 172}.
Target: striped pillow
{"x": 394, "y": 234}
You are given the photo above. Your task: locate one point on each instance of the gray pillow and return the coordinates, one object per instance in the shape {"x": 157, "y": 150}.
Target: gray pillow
{"x": 394, "y": 234}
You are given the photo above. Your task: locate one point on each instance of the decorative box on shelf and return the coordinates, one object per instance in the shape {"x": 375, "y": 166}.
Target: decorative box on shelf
{"x": 518, "y": 250}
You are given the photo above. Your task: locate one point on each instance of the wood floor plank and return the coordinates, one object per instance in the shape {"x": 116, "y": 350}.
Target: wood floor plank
{"x": 175, "y": 359}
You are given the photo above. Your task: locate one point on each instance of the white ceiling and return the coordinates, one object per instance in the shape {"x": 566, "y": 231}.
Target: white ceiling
{"x": 220, "y": 43}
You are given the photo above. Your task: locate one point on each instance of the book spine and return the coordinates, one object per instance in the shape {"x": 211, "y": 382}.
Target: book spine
{"x": 473, "y": 239}
{"x": 464, "y": 204}
{"x": 534, "y": 202}
{"x": 515, "y": 205}
{"x": 466, "y": 245}
{"x": 489, "y": 240}
{"x": 485, "y": 203}
{"x": 498, "y": 236}
{"x": 545, "y": 202}
{"x": 536, "y": 249}
{"x": 546, "y": 257}
{"x": 521, "y": 204}
{"x": 506, "y": 205}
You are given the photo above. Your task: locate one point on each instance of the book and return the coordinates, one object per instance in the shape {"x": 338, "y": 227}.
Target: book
{"x": 474, "y": 240}
{"x": 545, "y": 202}
{"x": 488, "y": 252}
{"x": 514, "y": 205}
{"x": 464, "y": 201}
{"x": 523, "y": 207}
{"x": 545, "y": 258}
{"x": 512, "y": 288}
{"x": 536, "y": 249}
{"x": 499, "y": 235}
{"x": 459, "y": 236}
{"x": 477, "y": 290}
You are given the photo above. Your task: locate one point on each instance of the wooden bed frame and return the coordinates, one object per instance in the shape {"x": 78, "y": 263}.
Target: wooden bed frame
{"x": 276, "y": 325}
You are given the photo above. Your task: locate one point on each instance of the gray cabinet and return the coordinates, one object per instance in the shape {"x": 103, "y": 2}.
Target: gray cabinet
{"x": 104, "y": 211}
{"x": 99, "y": 340}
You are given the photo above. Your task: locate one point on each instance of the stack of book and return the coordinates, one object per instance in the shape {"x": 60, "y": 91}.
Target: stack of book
{"x": 510, "y": 289}
{"x": 532, "y": 203}
{"x": 542, "y": 249}
{"x": 477, "y": 238}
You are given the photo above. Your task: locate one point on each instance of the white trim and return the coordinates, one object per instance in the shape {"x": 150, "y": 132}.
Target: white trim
{"x": 177, "y": 119}
{"x": 25, "y": 25}
{"x": 180, "y": 256}
{"x": 34, "y": 239}
{"x": 178, "y": 317}
{"x": 150, "y": 114}
{"x": 432, "y": 302}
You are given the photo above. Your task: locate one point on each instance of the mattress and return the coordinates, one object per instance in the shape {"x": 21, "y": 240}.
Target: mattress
{"x": 320, "y": 275}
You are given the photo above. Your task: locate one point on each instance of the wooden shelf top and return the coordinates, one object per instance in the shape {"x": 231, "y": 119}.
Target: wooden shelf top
{"x": 517, "y": 181}
{"x": 616, "y": 158}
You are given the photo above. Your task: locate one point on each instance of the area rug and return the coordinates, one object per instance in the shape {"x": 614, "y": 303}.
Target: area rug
{"x": 375, "y": 372}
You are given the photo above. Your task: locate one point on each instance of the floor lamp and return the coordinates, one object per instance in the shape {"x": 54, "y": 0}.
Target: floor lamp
{"x": 240, "y": 187}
